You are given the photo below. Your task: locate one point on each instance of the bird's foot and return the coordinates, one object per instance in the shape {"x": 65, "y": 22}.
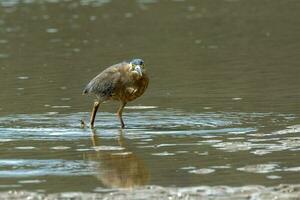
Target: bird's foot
{"x": 122, "y": 126}
{"x": 92, "y": 126}
{"x": 82, "y": 124}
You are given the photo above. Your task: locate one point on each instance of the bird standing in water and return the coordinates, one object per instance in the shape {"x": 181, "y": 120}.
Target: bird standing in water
{"x": 122, "y": 82}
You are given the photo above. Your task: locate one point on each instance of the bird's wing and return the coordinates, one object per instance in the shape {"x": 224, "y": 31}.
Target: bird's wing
{"x": 105, "y": 83}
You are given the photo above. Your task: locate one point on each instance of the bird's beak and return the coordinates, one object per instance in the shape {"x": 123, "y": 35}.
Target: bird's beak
{"x": 138, "y": 69}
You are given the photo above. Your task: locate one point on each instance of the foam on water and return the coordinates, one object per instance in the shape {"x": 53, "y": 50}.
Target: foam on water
{"x": 260, "y": 168}
{"x": 282, "y": 191}
{"x": 165, "y": 153}
{"x": 202, "y": 171}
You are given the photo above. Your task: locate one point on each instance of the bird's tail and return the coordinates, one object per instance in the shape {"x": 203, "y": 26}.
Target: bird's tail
{"x": 85, "y": 91}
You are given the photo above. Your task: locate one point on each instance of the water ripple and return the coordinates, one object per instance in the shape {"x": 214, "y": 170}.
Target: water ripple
{"x": 33, "y": 167}
{"x": 56, "y": 126}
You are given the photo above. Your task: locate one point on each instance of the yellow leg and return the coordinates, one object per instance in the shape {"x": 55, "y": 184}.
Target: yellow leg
{"x": 119, "y": 113}
{"x": 94, "y": 137}
{"x": 93, "y": 115}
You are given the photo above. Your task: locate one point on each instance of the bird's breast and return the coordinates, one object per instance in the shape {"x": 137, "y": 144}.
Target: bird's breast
{"x": 132, "y": 90}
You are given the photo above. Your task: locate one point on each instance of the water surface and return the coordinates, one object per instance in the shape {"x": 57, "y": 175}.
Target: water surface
{"x": 221, "y": 113}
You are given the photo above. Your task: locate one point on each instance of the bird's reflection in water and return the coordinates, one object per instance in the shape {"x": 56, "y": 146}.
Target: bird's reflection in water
{"x": 118, "y": 169}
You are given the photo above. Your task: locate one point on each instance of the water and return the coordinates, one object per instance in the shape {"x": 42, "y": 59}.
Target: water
{"x": 52, "y": 153}
{"x": 220, "y": 116}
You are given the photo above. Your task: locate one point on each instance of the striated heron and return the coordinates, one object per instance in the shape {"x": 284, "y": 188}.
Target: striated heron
{"x": 122, "y": 82}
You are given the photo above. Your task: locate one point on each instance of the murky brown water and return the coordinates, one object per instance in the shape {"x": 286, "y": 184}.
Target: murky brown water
{"x": 222, "y": 107}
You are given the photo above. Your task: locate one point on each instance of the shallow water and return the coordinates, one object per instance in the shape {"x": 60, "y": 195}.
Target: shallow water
{"x": 52, "y": 153}
{"x": 220, "y": 116}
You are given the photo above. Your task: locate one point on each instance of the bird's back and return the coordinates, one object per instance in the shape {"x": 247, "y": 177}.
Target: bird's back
{"x": 105, "y": 82}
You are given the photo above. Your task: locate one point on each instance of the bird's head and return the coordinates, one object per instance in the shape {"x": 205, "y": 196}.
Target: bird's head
{"x": 137, "y": 66}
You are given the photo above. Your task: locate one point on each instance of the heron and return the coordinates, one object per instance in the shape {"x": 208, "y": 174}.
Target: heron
{"x": 123, "y": 82}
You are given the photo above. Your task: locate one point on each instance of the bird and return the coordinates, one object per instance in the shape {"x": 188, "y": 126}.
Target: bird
{"x": 123, "y": 82}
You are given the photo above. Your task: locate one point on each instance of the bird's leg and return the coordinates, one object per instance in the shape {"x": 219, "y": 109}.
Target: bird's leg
{"x": 94, "y": 111}
{"x": 94, "y": 137}
{"x": 119, "y": 113}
